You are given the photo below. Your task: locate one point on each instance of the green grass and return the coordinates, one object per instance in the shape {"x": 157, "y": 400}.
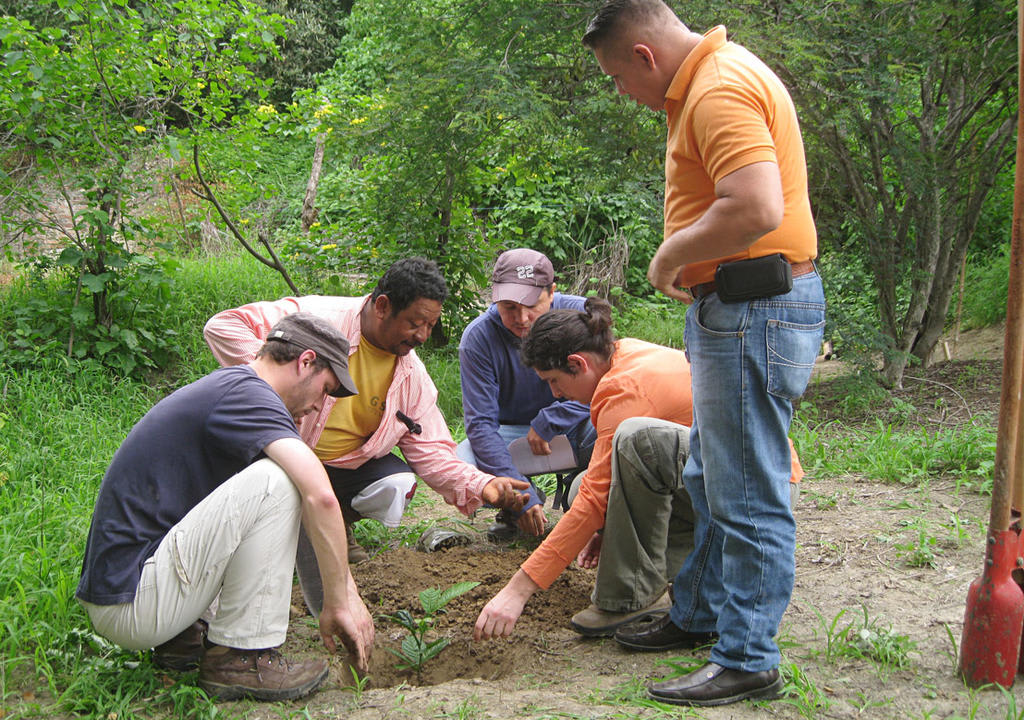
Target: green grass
{"x": 60, "y": 423}
{"x": 866, "y": 639}
{"x": 986, "y": 285}
{"x": 895, "y": 454}
{"x": 657, "y": 320}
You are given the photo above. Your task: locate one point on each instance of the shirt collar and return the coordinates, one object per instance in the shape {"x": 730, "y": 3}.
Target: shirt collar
{"x": 713, "y": 39}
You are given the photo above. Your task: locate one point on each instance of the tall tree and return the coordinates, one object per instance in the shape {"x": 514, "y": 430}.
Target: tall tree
{"x": 310, "y": 46}
{"x": 912, "y": 102}
{"x": 473, "y": 123}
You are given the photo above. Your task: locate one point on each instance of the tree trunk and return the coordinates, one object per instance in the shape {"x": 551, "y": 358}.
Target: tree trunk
{"x": 309, "y": 211}
{"x": 439, "y": 335}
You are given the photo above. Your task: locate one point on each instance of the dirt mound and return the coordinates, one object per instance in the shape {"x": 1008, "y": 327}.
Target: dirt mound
{"x": 393, "y": 580}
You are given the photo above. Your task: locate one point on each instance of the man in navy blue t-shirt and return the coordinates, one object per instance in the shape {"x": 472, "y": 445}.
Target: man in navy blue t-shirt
{"x": 192, "y": 544}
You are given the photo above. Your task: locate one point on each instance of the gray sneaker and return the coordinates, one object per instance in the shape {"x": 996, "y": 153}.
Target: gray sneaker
{"x": 230, "y": 673}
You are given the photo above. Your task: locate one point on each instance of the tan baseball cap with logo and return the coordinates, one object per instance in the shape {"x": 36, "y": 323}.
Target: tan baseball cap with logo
{"x": 521, "y": 275}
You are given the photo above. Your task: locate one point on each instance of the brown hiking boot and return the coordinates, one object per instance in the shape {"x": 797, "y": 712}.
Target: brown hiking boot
{"x": 356, "y": 553}
{"x": 230, "y": 673}
{"x": 183, "y": 651}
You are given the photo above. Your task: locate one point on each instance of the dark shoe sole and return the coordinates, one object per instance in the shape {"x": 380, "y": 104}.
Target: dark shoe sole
{"x": 177, "y": 663}
{"x": 593, "y": 632}
{"x": 681, "y": 645}
{"x": 609, "y": 630}
{"x": 688, "y": 643}
{"x": 237, "y": 692}
{"x": 768, "y": 692}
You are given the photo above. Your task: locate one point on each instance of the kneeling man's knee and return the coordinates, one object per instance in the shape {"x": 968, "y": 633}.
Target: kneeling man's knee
{"x": 386, "y": 499}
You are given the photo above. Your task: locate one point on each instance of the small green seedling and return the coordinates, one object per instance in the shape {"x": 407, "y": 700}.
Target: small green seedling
{"x": 416, "y": 650}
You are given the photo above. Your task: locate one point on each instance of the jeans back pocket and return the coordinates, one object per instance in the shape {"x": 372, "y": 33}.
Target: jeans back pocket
{"x": 792, "y": 348}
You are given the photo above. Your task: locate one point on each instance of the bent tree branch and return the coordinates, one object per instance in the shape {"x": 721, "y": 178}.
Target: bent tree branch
{"x": 273, "y": 261}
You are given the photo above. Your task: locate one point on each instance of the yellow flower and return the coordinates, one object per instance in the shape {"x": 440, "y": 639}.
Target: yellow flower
{"x": 329, "y": 246}
{"x": 323, "y": 110}
{"x": 139, "y": 128}
{"x": 266, "y": 110}
{"x": 357, "y": 121}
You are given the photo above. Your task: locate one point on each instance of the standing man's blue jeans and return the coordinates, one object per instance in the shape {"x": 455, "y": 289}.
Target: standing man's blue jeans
{"x": 749, "y": 362}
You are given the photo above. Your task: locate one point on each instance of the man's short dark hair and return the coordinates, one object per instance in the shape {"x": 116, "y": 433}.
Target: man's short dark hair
{"x": 615, "y": 15}
{"x": 283, "y": 353}
{"x": 408, "y": 280}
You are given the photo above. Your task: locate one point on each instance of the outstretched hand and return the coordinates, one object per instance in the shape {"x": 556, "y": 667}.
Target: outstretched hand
{"x": 591, "y": 552}
{"x": 503, "y": 492}
{"x": 533, "y": 521}
{"x": 500, "y": 614}
{"x": 355, "y": 628}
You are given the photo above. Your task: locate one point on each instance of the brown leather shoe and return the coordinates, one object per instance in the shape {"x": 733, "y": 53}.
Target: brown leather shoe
{"x": 717, "y": 685}
{"x": 230, "y": 673}
{"x": 658, "y": 632}
{"x": 183, "y": 651}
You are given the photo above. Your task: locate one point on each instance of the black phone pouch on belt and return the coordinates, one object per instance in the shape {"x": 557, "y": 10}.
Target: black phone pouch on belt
{"x": 753, "y": 279}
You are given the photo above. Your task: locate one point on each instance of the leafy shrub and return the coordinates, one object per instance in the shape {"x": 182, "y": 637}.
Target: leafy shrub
{"x": 656, "y": 319}
{"x": 48, "y": 315}
{"x": 852, "y": 318}
{"x": 985, "y": 289}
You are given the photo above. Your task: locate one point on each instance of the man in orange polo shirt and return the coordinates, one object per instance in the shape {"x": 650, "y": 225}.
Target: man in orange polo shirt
{"x": 740, "y": 236}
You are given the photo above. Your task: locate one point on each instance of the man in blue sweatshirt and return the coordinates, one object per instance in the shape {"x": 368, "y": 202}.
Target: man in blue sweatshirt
{"x": 503, "y": 400}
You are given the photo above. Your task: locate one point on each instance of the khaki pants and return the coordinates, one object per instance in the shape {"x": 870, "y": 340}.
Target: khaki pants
{"x": 238, "y": 544}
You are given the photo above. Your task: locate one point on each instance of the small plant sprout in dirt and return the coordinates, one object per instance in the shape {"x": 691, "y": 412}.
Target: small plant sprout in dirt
{"x": 416, "y": 650}
{"x": 867, "y": 640}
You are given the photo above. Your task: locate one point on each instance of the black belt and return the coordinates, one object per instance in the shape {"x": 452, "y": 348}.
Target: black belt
{"x": 699, "y": 291}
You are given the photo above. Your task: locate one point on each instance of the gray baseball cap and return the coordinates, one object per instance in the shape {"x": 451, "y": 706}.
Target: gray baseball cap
{"x": 310, "y": 332}
{"x": 520, "y": 275}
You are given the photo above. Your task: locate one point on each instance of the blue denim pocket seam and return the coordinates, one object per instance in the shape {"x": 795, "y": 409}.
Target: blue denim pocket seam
{"x": 789, "y": 374}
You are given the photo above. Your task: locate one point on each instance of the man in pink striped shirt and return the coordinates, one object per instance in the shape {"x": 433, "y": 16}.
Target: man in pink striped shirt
{"x": 396, "y": 406}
